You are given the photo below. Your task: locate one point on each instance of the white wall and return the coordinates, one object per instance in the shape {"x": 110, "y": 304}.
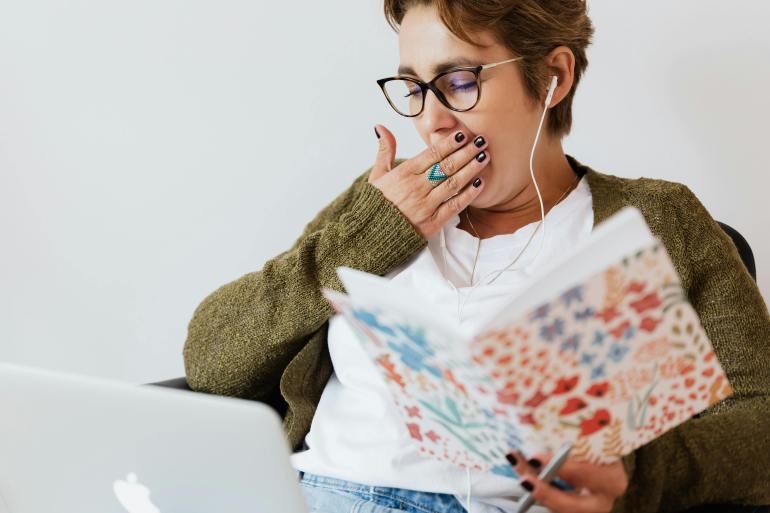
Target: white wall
{"x": 152, "y": 151}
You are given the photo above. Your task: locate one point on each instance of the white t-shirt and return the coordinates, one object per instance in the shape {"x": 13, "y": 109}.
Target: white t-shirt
{"x": 357, "y": 433}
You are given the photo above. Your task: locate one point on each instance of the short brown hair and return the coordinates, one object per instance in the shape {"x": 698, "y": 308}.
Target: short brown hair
{"x": 529, "y": 28}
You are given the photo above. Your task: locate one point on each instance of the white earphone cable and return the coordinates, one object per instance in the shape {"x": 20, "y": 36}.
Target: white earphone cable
{"x": 547, "y": 102}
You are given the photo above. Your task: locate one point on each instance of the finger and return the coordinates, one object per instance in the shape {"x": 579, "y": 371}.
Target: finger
{"x": 439, "y": 151}
{"x": 456, "y": 181}
{"x": 558, "y": 501}
{"x": 534, "y": 466}
{"x": 522, "y": 465}
{"x": 386, "y": 153}
{"x": 458, "y": 202}
{"x": 607, "y": 478}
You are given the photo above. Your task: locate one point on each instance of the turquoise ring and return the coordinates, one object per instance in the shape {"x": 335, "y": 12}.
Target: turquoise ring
{"x": 436, "y": 175}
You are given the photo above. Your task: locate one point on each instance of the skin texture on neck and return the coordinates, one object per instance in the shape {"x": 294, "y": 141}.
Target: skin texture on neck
{"x": 505, "y": 115}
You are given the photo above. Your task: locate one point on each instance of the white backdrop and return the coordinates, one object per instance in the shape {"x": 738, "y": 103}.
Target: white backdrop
{"x": 151, "y": 151}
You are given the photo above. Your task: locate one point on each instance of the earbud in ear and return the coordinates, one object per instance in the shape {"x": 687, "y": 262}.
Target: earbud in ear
{"x": 551, "y": 89}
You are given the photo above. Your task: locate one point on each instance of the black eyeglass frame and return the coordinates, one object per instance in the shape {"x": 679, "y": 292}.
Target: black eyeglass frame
{"x": 476, "y": 70}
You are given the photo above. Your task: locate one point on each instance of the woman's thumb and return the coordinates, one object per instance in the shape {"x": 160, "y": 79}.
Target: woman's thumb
{"x": 386, "y": 152}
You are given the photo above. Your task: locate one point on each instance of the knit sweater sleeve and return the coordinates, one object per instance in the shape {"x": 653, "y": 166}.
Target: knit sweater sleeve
{"x": 243, "y": 334}
{"x": 723, "y": 454}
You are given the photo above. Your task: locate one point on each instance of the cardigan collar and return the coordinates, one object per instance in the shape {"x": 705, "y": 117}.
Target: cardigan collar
{"x": 606, "y": 190}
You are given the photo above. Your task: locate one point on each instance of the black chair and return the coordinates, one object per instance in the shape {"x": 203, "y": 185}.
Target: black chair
{"x": 743, "y": 248}
{"x": 748, "y": 260}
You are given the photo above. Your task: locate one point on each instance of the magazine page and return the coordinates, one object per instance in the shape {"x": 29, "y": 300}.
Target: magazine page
{"x": 608, "y": 364}
{"x": 444, "y": 398}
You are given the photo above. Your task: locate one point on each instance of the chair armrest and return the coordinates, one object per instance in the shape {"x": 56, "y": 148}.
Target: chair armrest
{"x": 179, "y": 383}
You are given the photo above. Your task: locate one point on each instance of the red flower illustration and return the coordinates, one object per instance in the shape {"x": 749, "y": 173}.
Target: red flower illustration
{"x": 536, "y": 400}
{"x": 451, "y": 378}
{"x": 565, "y": 385}
{"x": 507, "y": 396}
{"x": 414, "y": 431}
{"x": 645, "y": 303}
{"x": 607, "y": 314}
{"x": 620, "y": 329}
{"x": 598, "y": 389}
{"x": 413, "y": 411}
{"x": 433, "y": 436}
{"x": 527, "y": 419}
{"x": 390, "y": 370}
{"x": 573, "y": 404}
{"x": 600, "y": 419}
{"x": 649, "y": 324}
{"x": 635, "y": 287}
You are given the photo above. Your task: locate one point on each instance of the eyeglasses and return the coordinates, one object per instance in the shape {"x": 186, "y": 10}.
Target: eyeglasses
{"x": 458, "y": 89}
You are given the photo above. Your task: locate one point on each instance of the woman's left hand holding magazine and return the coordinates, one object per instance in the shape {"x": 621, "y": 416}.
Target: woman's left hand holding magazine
{"x": 596, "y": 485}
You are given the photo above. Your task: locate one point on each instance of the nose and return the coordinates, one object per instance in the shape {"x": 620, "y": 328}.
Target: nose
{"x": 435, "y": 115}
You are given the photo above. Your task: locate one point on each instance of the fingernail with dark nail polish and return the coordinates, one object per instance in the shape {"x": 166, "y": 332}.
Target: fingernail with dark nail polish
{"x": 527, "y": 486}
{"x": 481, "y": 156}
{"x": 476, "y": 184}
{"x": 479, "y": 141}
{"x": 510, "y": 457}
{"x": 535, "y": 463}
{"x": 376, "y": 133}
{"x": 459, "y": 137}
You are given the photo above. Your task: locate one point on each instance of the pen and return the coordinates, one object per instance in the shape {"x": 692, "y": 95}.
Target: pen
{"x": 548, "y": 473}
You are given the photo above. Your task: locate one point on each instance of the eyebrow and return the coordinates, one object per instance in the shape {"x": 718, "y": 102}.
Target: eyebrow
{"x": 440, "y": 67}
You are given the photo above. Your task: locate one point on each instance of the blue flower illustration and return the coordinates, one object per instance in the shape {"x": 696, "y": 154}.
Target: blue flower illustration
{"x": 541, "y": 311}
{"x": 598, "y": 338}
{"x": 597, "y": 372}
{"x": 573, "y": 294}
{"x": 550, "y": 331}
{"x": 629, "y": 332}
{"x": 417, "y": 336}
{"x": 413, "y": 357}
{"x": 587, "y": 359}
{"x": 617, "y": 352}
{"x": 586, "y": 313}
{"x": 370, "y": 318}
{"x": 571, "y": 343}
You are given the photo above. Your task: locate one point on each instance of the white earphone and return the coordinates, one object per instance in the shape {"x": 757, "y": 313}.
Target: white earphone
{"x": 551, "y": 89}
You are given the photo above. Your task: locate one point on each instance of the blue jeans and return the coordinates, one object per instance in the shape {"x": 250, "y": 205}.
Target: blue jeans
{"x": 330, "y": 495}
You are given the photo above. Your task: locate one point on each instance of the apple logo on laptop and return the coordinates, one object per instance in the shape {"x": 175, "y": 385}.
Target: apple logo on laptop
{"x": 134, "y": 496}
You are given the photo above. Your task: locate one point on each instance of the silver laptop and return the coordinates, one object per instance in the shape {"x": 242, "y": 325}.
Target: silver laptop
{"x": 70, "y": 443}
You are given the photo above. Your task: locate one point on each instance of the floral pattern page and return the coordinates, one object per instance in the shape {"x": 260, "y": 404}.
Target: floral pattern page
{"x": 608, "y": 365}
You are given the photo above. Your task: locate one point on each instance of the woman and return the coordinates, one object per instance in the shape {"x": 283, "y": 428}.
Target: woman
{"x": 271, "y": 336}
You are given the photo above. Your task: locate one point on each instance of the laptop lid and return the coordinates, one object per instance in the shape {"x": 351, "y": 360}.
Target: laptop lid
{"x": 91, "y": 445}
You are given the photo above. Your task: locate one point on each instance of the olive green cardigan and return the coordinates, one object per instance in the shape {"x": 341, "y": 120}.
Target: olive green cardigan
{"x": 263, "y": 336}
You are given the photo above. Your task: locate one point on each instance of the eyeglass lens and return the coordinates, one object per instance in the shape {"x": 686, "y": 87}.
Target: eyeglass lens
{"x": 459, "y": 88}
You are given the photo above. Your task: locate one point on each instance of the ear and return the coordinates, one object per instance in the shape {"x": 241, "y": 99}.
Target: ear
{"x": 561, "y": 63}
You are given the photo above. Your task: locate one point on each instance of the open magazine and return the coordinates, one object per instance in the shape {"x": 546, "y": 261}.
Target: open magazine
{"x": 601, "y": 350}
